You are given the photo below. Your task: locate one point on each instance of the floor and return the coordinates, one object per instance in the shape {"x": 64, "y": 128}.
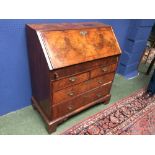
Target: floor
{"x": 28, "y": 122}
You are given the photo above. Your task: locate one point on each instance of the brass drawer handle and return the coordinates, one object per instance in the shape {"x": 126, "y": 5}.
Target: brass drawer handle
{"x": 83, "y": 33}
{"x": 71, "y": 93}
{"x": 104, "y": 69}
{"x": 99, "y": 95}
{"x": 56, "y": 75}
{"x": 70, "y": 108}
{"x": 100, "y": 82}
{"x": 72, "y": 79}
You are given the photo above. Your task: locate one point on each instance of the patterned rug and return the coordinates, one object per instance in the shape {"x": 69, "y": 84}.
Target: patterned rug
{"x": 132, "y": 115}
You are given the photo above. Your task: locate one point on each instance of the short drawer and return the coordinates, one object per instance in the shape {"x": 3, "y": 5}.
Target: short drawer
{"x": 66, "y": 82}
{"x": 102, "y": 70}
{"x": 65, "y": 108}
{"x": 71, "y": 92}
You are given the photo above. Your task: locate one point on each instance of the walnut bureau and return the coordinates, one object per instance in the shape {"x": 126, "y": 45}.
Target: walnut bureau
{"x": 72, "y": 67}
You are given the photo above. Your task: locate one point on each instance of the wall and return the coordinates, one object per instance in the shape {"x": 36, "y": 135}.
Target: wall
{"x": 134, "y": 46}
{"x": 15, "y": 87}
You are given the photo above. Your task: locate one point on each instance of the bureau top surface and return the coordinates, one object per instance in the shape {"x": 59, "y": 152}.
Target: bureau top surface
{"x": 73, "y": 43}
{"x": 66, "y": 26}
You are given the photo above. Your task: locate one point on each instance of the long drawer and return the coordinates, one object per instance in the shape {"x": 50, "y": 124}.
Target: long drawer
{"x": 83, "y": 67}
{"x": 73, "y": 91}
{"x": 64, "y": 108}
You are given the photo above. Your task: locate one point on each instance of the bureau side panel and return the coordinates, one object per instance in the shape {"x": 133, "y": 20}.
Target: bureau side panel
{"x": 40, "y": 79}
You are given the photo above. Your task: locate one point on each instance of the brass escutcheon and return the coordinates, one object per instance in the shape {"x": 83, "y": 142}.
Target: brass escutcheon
{"x": 83, "y": 33}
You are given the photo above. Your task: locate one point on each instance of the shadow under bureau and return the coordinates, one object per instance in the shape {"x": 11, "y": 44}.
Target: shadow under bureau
{"x": 72, "y": 67}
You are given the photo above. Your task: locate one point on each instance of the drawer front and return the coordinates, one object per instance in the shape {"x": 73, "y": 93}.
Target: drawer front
{"x": 71, "y": 92}
{"x": 65, "y": 108}
{"x": 63, "y": 83}
{"x": 102, "y": 70}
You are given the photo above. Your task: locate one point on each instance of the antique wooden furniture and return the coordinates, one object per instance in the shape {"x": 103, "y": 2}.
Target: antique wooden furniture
{"x": 72, "y": 67}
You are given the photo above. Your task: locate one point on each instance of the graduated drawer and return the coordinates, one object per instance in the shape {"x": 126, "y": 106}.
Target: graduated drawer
{"x": 102, "y": 70}
{"x": 65, "y": 108}
{"x": 71, "y": 92}
{"x": 66, "y": 82}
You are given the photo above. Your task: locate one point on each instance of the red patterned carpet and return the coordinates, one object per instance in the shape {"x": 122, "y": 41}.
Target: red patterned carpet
{"x": 132, "y": 115}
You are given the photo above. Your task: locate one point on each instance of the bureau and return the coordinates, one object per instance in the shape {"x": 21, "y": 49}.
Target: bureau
{"x": 72, "y": 67}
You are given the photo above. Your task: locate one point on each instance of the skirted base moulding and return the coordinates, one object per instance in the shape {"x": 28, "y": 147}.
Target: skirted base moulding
{"x": 52, "y": 124}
